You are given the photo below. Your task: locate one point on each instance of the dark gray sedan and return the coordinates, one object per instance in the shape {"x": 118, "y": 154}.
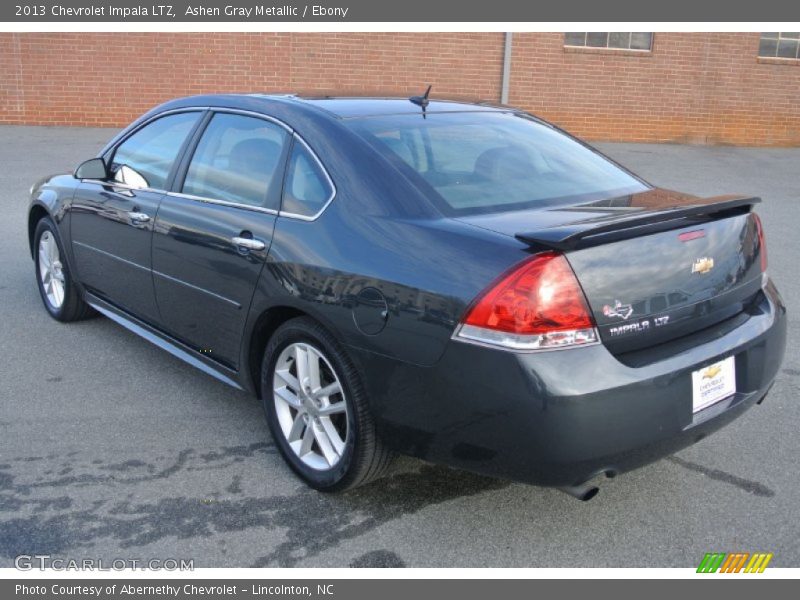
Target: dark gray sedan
{"x": 463, "y": 283}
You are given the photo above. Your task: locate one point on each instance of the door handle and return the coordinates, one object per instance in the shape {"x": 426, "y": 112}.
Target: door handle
{"x": 139, "y": 217}
{"x": 248, "y": 243}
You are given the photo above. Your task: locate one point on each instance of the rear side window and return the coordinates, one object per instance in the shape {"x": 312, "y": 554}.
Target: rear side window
{"x": 490, "y": 161}
{"x": 237, "y": 160}
{"x": 307, "y": 189}
{"x": 149, "y": 154}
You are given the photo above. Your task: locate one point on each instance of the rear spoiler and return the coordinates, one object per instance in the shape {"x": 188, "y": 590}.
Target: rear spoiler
{"x": 613, "y": 227}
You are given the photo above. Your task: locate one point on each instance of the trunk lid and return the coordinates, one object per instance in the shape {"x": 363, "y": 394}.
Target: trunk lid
{"x": 654, "y": 266}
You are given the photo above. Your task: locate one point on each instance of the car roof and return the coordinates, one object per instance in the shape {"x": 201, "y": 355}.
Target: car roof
{"x": 328, "y": 106}
{"x": 354, "y": 107}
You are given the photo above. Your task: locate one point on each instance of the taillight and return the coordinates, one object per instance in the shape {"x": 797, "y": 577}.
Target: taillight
{"x": 762, "y": 243}
{"x": 538, "y": 305}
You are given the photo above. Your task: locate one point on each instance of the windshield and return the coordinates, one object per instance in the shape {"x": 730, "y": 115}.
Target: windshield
{"x": 476, "y": 162}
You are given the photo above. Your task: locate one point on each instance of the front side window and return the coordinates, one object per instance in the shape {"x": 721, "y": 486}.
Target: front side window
{"x": 779, "y": 45}
{"x": 610, "y": 39}
{"x": 146, "y": 157}
{"x": 490, "y": 161}
{"x": 237, "y": 160}
{"x": 307, "y": 189}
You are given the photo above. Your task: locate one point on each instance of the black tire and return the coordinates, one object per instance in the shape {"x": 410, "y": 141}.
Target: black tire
{"x": 73, "y": 308}
{"x": 364, "y": 457}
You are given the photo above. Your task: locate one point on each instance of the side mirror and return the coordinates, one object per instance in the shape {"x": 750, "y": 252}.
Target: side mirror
{"x": 94, "y": 168}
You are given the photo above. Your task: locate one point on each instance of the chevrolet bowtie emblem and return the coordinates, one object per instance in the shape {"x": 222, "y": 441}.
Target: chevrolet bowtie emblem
{"x": 703, "y": 265}
{"x": 711, "y": 372}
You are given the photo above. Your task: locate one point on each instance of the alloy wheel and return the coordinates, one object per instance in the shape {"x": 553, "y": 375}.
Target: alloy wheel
{"x": 310, "y": 406}
{"x": 51, "y": 270}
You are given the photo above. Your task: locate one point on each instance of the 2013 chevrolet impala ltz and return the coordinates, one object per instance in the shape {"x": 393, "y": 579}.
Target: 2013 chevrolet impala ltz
{"x": 459, "y": 282}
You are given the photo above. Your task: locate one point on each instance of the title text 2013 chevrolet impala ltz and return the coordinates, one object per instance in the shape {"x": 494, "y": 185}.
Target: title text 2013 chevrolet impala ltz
{"x": 459, "y": 282}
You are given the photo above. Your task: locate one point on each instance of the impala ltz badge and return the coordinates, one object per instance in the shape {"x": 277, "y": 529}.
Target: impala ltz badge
{"x": 623, "y": 311}
{"x": 702, "y": 265}
{"x": 637, "y": 326}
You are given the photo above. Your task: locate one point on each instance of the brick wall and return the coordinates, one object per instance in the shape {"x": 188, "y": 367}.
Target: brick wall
{"x": 700, "y": 88}
{"x": 693, "y": 87}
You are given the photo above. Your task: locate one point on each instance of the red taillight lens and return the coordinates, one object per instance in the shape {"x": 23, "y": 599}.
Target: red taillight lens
{"x": 538, "y": 305}
{"x": 762, "y": 243}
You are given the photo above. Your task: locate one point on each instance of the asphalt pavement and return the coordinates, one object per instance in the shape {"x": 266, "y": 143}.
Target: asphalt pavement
{"x": 111, "y": 448}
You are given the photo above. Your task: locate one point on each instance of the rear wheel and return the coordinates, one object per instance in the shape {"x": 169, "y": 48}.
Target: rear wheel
{"x": 56, "y": 286}
{"x": 317, "y": 410}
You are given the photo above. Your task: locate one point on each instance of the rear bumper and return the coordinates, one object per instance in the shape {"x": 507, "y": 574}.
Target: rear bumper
{"x": 561, "y": 417}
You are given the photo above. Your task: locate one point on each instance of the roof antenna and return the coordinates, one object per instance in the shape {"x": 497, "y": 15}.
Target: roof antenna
{"x": 422, "y": 100}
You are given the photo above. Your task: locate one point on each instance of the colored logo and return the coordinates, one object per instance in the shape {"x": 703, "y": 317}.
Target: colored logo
{"x": 623, "y": 311}
{"x": 736, "y": 562}
{"x": 703, "y": 265}
{"x": 711, "y": 372}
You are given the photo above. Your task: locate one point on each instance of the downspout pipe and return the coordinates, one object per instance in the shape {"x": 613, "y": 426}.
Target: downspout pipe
{"x": 506, "y": 69}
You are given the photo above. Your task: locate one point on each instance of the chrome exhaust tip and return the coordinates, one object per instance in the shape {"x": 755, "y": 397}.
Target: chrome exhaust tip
{"x": 583, "y": 492}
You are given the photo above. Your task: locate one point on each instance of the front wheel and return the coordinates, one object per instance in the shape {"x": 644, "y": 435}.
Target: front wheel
{"x": 317, "y": 410}
{"x": 57, "y": 288}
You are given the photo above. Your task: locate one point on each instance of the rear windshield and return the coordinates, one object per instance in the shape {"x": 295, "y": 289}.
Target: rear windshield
{"x": 492, "y": 162}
